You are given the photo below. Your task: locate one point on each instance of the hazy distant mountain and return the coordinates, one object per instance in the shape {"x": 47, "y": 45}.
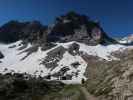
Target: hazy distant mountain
{"x": 127, "y": 40}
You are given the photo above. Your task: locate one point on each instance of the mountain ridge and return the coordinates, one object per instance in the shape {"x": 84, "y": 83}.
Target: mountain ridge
{"x": 69, "y": 27}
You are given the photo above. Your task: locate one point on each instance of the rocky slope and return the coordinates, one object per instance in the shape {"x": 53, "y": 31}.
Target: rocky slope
{"x": 111, "y": 80}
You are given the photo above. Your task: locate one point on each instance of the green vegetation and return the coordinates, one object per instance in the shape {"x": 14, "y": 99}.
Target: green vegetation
{"x": 70, "y": 92}
{"x": 18, "y": 87}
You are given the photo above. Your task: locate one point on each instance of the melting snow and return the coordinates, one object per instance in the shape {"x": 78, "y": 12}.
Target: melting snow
{"x": 12, "y": 60}
{"x": 31, "y": 65}
{"x": 102, "y": 51}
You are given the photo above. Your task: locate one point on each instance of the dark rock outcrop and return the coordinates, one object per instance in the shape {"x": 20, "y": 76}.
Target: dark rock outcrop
{"x": 28, "y": 31}
{"x": 74, "y": 49}
{"x": 61, "y": 72}
{"x": 54, "y": 56}
{"x": 75, "y": 64}
{"x": 1, "y": 55}
{"x": 29, "y": 51}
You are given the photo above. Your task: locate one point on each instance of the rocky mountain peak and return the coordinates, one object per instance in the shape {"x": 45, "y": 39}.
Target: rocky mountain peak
{"x": 77, "y": 27}
{"x": 69, "y": 27}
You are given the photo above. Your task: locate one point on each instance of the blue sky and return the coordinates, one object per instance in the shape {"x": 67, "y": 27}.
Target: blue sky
{"x": 115, "y": 16}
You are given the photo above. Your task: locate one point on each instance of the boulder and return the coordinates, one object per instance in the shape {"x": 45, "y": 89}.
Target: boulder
{"x": 74, "y": 49}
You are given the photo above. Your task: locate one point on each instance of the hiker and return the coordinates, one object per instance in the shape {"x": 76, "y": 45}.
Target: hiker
{"x": 83, "y": 81}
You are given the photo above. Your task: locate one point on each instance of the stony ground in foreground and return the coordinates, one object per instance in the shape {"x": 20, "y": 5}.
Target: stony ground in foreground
{"x": 111, "y": 80}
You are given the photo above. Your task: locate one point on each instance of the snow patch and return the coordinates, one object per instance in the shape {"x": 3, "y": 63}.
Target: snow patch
{"x": 31, "y": 65}
{"x": 102, "y": 51}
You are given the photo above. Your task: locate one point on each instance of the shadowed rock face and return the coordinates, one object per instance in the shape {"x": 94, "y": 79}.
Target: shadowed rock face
{"x": 28, "y": 31}
{"x": 1, "y": 55}
{"x": 51, "y": 61}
